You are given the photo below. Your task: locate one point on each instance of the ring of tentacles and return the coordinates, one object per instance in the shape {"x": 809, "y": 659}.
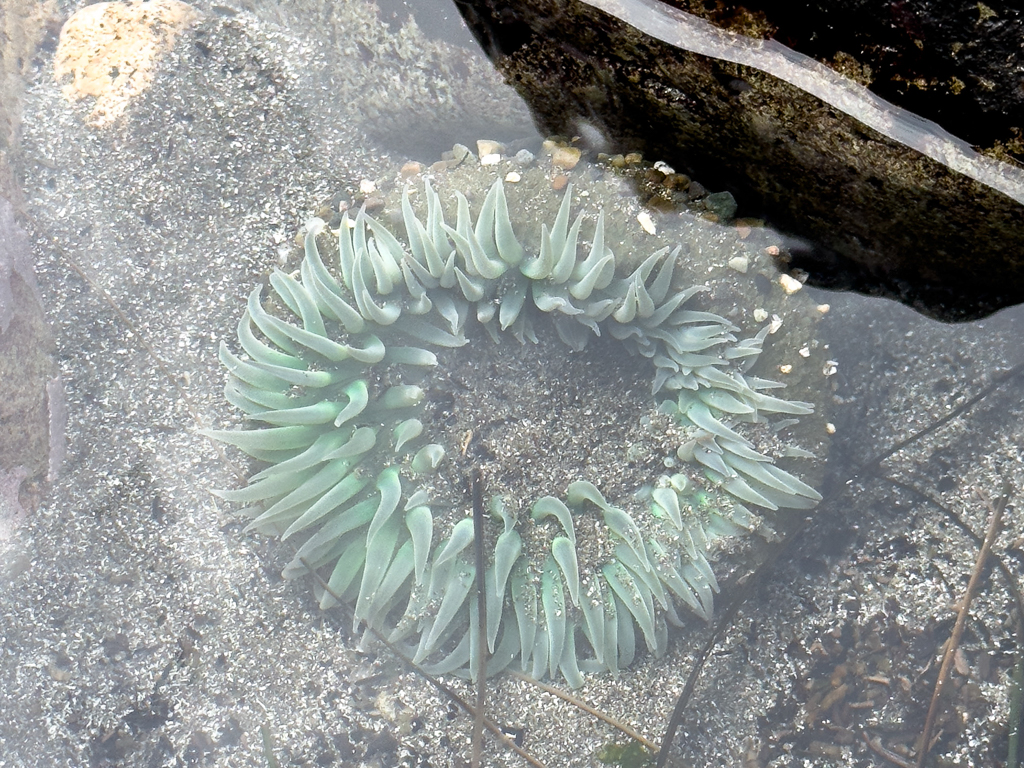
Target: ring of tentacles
{"x": 325, "y": 380}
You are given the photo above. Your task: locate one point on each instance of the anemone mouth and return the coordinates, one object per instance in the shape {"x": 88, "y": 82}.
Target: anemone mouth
{"x": 534, "y": 418}
{"x": 599, "y": 531}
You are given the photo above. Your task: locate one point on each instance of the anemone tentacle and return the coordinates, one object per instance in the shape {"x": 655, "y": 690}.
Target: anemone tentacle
{"x": 346, "y": 452}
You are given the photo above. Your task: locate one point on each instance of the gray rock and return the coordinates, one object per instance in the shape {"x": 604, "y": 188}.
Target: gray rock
{"x": 15, "y": 260}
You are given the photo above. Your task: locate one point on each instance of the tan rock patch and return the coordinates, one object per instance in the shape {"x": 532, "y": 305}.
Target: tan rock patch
{"x": 108, "y": 51}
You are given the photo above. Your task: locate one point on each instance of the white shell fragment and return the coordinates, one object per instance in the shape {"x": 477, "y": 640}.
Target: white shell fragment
{"x": 740, "y": 264}
{"x": 790, "y": 284}
{"x": 647, "y": 223}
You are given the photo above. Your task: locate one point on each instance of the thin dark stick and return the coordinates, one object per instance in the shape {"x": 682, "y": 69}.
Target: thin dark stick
{"x": 1011, "y": 581}
{"x": 997, "y": 381}
{"x": 576, "y": 702}
{"x": 876, "y": 747}
{"x": 961, "y": 621}
{"x": 434, "y": 681}
{"x": 698, "y": 666}
{"x": 1016, "y": 705}
{"x": 1016, "y": 712}
{"x": 481, "y": 626}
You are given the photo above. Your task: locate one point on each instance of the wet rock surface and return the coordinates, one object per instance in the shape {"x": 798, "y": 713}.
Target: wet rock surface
{"x": 869, "y": 213}
{"x": 955, "y": 62}
{"x": 27, "y": 364}
{"x": 139, "y": 625}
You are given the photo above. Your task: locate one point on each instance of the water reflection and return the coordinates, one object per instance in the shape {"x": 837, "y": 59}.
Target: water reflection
{"x": 140, "y": 625}
{"x": 880, "y": 200}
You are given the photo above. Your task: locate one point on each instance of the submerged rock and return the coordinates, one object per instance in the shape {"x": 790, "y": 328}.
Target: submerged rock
{"x": 175, "y": 217}
{"x": 585, "y": 369}
{"x": 26, "y": 354}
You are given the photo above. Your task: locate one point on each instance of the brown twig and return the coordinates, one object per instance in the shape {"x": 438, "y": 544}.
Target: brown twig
{"x": 489, "y": 724}
{"x": 580, "y": 704}
{"x": 481, "y": 624}
{"x": 723, "y": 622}
{"x": 165, "y": 369}
{"x": 997, "y": 381}
{"x": 995, "y": 520}
{"x": 1011, "y": 586}
{"x": 1008, "y": 577}
{"x": 876, "y": 747}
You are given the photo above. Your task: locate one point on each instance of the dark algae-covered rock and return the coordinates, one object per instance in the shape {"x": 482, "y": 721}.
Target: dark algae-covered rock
{"x": 957, "y": 62}
{"x": 876, "y": 197}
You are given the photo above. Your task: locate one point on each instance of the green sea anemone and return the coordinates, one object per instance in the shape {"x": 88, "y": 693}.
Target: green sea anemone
{"x": 337, "y": 372}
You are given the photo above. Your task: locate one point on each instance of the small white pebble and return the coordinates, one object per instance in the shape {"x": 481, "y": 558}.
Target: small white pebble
{"x": 804, "y": 352}
{"x": 664, "y": 167}
{"x": 775, "y": 324}
{"x": 512, "y": 177}
{"x": 824, "y": 308}
{"x": 760, "y": 315}
{"x": 740, "y": 264}
{"x": 492, "y": 159}
{"x": 831, "y": 368}
{"x": 790, "y": 284}
{"x": 647, "y": 223}
{"x": 786, "y": 368}
{"x": 830, "y": 428}
{"x": 367, "y": 187}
